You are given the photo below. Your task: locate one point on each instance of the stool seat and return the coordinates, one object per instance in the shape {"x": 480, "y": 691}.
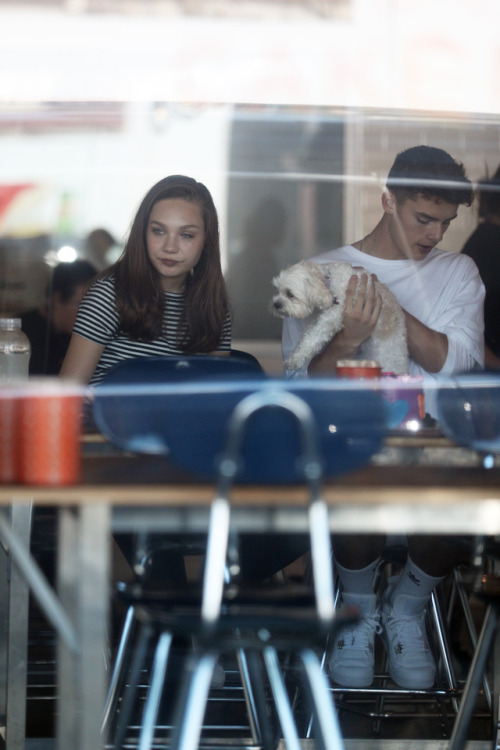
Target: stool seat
{"x": 277, "y": 606}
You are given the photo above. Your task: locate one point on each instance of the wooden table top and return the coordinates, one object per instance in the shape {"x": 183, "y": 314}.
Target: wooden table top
{"x": 125, "y": 480}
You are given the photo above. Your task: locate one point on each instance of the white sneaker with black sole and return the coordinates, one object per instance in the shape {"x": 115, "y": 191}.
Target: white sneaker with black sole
{"x": 411, "y": 664}
{"x": 351, "y": 659}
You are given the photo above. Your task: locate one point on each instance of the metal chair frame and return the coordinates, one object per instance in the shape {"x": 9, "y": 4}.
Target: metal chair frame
{"x": 153, "y": 370}
{"x": 218, "y": 621}
{"x": 446, "y": 692}
{"x": 469, "y": 413}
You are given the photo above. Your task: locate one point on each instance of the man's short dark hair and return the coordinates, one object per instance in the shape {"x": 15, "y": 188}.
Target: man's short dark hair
{"x": 430, "y": 172}
{"x": 68, "y": 276}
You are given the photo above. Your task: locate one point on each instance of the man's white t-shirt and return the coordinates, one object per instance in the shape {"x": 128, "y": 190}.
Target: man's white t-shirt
{"x": 444, "y": 291}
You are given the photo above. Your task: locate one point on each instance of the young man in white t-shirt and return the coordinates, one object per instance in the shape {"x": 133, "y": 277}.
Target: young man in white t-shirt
{"x": 442, "y": 297}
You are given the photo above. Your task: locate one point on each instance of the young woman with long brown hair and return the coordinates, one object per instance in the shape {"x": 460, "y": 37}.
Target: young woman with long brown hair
{"x": 165, "y": 294}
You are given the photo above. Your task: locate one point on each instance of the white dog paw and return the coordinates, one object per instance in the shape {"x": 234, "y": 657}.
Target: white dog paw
{"x": 294, "y": 363}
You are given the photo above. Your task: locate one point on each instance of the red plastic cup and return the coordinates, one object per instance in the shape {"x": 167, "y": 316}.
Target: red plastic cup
{"x": 9, "y": 435}
{"x": 358, "y": 368}
{"x": 50, "y": 429}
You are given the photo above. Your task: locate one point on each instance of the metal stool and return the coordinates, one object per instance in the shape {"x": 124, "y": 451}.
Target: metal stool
{"x": 133, "y": 429}
{"x": 469, "y": 413}
{"x": 385, "y": 700}
{"x": 488, "y": 588}
{"x": 309, "y": 424}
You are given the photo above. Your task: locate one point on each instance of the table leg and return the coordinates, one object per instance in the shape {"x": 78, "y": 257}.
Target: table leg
{"x": 16, "y": 634}
{"x": 495, "y": 703}
{"x": 459, "y": 734}
{"x": 83, "y": 584}
{"x": 4, "y": 597}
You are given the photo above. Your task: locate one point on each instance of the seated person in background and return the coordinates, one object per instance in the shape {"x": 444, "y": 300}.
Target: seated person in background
{"x": 442, "y": 297}
{"x": 102, "y": 248}
{"x": 49, "y": 328}
{"x": 483, "y": 246}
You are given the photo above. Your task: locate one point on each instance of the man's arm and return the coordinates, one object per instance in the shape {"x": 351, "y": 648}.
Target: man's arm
{"x": 452, "y": 339}
{"x": 491, "y": 361}
{"x": 426, "y": 347}
{"x": 362, "y": 309}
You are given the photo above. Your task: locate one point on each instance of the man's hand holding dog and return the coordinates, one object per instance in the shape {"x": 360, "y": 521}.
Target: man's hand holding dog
{"x": 362, "y": 309}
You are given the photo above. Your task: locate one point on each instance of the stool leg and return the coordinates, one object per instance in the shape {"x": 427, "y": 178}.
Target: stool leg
{"x": 444, "y": 647}
{"x": 495, "y": 697}
{"x": 281, "y": 699}
{"x": 129, "y": 698}
{"x": 251, "y": 697}
{"x": 118, "y": 675}
{"x": 248, "y": 692}
{"x": 264, "y": 728}
{"x": 155, "y": 691}
{"x": 325, "y": 715}
{"x": 460, "y": 728}
{"x": 192, "y": 703}
{"x": 471, "y": 628}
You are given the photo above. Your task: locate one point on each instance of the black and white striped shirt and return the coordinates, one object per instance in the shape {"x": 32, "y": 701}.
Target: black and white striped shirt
{"x": 98, "y": 321}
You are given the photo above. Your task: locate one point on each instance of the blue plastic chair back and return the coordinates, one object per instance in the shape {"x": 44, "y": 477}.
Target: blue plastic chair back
{"x": 187, "y": 418}
{"x": 468, "y": 410}
{"x": 171, "y": 369}
{"x": 132, "y": 417}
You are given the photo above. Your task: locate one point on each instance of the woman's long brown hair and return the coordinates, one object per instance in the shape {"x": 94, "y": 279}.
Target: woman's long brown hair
{"x": 140, "y": 299}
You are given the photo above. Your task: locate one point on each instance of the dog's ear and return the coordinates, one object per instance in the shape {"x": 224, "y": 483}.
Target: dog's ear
{"x": 277, "y": 280}
{"x": 320, "y": 295}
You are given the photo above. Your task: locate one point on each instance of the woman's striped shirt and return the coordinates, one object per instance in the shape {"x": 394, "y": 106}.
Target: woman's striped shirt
{"x": 98, "y": 321}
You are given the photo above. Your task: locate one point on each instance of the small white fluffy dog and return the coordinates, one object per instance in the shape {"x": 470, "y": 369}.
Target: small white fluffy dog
{"x": 307, "y": 287}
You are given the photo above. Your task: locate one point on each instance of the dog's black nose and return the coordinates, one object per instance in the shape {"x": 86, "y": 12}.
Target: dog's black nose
{"x": 277, "y": 305}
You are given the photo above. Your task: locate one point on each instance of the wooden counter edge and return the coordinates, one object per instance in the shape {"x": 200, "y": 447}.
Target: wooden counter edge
{"x": 201, "y": 495}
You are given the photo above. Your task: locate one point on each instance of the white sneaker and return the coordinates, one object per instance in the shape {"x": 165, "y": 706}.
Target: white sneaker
{"x": 352, "y": 657}
{"x": 411, "y": 664}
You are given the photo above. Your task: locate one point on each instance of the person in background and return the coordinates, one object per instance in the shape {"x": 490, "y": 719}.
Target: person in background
{"x": 101, "y": 248}
{"x": 442, "y": 295}
{"x": 251, "y": 269}
{"x": 164, "y": 295}
{"x": 483, "y": 246}
{"x": 49, "y": 328}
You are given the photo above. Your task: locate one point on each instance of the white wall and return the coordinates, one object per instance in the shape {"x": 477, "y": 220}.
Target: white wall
{"x": 437, "y": 55}
{"x": 107, "y": 173}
